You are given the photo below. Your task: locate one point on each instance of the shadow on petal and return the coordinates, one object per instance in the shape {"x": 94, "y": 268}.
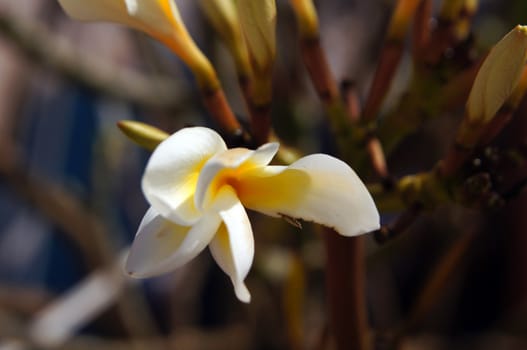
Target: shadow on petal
{"x": 161, "y": 246}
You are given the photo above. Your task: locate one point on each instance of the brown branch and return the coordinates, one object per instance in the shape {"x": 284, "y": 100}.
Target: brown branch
{"x": 22, "y": 300}
{"x": 377, "y": 158}
{"x": 233, "y": 337}
{"x": 350, "y": 95}
{"x": 345, "y": 280}
{"x": 390, "y": 57}
{"x": 434, "y": 286}
{"x": 41, "y": 46}
{"x": 421, "y": 30}
{"x": 77, "y": 222}
{"x": 317, "y": 65}
{"x": 388, "y": 63}
{"x": 58, "y": 205}
{"x": 260, "y": 122}
{"x": 220, "y": 110}
{"x": 399, "y": 226}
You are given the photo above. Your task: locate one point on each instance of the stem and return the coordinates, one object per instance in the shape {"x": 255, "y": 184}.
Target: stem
{"x": 400, "y": 225}
{"x": 390, "y": 56}
{"x": 345, "y": 284}
{"x": 377, "y": 158}
{"x": 317, "y": 65}
{"x": 454, "y": 160}
{"x": 221, "y": 112}
{"x": 260, "y": 114}
{"x": 260, "y": 122}
{"x": 352, "y": 103}
{"x": 421, "y": 30}
{"x": 389, "y": 61}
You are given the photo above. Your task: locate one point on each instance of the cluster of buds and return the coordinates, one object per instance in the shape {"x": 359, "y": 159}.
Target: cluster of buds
{"x": 247, "y": 27}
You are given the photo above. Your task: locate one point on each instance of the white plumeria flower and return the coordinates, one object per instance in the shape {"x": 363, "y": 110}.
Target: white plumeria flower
{"x": 198, "y": 191}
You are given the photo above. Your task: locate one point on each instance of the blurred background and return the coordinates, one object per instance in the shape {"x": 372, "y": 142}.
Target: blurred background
{"x": 70, "y": 197}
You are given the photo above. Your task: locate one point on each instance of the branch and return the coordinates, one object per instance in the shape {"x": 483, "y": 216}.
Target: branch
{"x": 76, "y": 221}
{"x": 234, "y": 337}
{"x": 41, "y": 46}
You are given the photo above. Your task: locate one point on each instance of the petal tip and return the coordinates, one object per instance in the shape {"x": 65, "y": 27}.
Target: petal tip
{"x": 137, "y": 273}
{"x": 132, "y": 270}
{"x": 241, "y": 291}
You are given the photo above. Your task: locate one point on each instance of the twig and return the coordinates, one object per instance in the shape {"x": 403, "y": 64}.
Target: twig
{"x": 56, "y": 53}
{"x": 433, "y": 288}
{"x": 220, "y": 110}
{"x": 421, "y": 30}
{"x": 377, "y": 158}
{"x": 350, "y": 95}
{"x": 390, "y": 56}
{"x": 401, "y": 224}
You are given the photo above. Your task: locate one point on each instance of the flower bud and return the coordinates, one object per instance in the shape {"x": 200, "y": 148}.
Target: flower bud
{"x": 401, "y": 18}
{"x": 498, "y": 76}
{"x": 144, "y": 135}
{"x": 223, "y": 16}
{"x": 307, "y": 17}
{"x": 258, "y": 19}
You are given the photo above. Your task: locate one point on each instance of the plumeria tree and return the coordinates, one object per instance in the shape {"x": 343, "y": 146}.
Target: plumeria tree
{"x": 446, "y": 153}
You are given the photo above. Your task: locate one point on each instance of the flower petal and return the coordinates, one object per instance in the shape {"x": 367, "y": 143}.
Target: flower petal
{"x": 161, "y": 246}
{"x": 97, "y": 10}
{"x": 263, "y": 154}
{"x": 233, "y": 245}
{"x": 172, "y": 172}
{"x": 159, "y": 16}
{"x": 228, "y": 166}
{"x": 316, "y": 188}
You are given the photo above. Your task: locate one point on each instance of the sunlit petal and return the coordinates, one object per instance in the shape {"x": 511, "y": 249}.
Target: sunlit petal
{"x": 162, "y": 15}
{"x": 233, "y": 245}
{"x": 97, "y": 10}
{"x": 228, "y": 166}
{"x": 263, "y": 154}
{"x": 316, "y": 188}
{"x": 172, "y": 173}
{"x": 159, "y": 16}
{"x": 161, "y": 246}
